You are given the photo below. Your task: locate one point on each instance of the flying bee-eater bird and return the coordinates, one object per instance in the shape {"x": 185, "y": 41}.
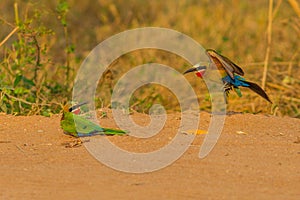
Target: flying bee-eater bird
{"x": 83, "y": 126}
{"x": 231, "y": 75}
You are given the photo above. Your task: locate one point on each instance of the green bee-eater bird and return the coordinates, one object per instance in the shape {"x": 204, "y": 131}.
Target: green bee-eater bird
{"x": 231, "y": 75}
{"x": 83, "y": 126}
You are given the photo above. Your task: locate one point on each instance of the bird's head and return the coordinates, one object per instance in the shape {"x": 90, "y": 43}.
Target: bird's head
{"x": 74, "y": 109}
{"x": 198, "y": 69}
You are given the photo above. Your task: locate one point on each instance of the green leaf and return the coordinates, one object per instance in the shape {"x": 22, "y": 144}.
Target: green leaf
{"x": 225, "y": 39}
{"x": 28, "y": 81}
{"x": 63, "y": 21}
{"x": 20, "y": 90}
{"x": 45, "y": 113}
{"x": 71, "y": 48}
{"x": 17, "y": 79}
{"x": 62, "y": 7}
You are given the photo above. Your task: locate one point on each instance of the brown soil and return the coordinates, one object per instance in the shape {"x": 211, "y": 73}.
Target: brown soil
{"x": 256, "y": 157}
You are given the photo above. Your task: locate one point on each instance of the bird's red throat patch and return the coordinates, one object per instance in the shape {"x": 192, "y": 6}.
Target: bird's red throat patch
{"x": 200, "y": 73}
{"x": 76, "y": 111}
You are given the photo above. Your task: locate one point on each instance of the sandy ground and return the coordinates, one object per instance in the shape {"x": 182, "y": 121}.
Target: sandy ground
{"x": 256, "y": 157}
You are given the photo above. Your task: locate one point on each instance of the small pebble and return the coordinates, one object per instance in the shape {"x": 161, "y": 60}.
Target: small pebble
{"x": 241, "y": 133}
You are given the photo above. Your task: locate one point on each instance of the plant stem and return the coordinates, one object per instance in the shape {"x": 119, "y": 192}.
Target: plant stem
{"x": 269, "y": 41}
{"x": 295, "y": 6}
{"x": 38, "y": 64}
{"x": 9, "y": 35}
{"x": 16, "y": 13}
{"x": 68, "y": 55}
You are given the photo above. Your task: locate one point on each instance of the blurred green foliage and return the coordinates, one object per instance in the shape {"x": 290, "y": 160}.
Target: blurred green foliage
{"x": 44, "y": 42}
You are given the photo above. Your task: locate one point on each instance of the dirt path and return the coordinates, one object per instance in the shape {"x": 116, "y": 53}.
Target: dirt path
{"x": 256, "y": 157}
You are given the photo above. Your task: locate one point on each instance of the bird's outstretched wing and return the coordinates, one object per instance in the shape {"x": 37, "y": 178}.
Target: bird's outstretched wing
{"x": 223, "y": 62}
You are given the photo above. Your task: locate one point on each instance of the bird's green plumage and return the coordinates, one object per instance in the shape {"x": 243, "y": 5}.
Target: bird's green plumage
{"x": 238, "y": 91}
{"x": 84, "y": 127}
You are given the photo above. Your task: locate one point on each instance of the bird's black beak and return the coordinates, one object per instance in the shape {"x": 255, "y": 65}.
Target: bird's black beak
{"x": 195, "y": 68}
{"x": 77, "y": 106}
{"x": 190, "y": 70}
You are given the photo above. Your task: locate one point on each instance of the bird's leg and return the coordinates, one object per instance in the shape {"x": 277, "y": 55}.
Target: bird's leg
{"x": 226, "y": 87}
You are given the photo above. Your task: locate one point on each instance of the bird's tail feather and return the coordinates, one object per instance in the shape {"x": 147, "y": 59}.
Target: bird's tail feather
{"x": 108, "y": 131}
{"x": 257, "y": 89}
